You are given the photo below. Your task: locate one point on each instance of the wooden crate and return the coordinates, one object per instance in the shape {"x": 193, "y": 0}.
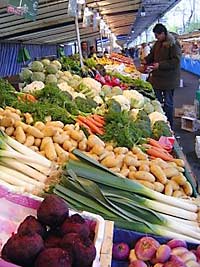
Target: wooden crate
{"x": 106, "y": 250}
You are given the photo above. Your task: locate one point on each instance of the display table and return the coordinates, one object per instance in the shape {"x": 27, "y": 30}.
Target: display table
{"x": 191, "y": 65}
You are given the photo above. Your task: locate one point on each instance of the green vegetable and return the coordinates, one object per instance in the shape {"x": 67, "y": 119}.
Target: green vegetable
{"x": 38, "y": 76}
{"x": 88, "y": 185}
{"x": 51, "y": 69}
{"x": 37, "y": 66}
{"x": 51, "y": 78}
{"x": 8, "y": 95}
{"x": 120, "y": 129}
{"x": 148, "y": 108}
{"x": 25, "y": 75}
{"x": 90, "y": 62}
{"x": 85, "y": 105}
{"x": 161, "y": 128}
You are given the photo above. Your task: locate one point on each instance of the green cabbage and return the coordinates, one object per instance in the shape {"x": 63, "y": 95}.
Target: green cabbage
{"x": 51, "y": 78}
{"x": 38, "y": 76}
{"x": 51, "y": 69}
{"x": 37, "y": 66}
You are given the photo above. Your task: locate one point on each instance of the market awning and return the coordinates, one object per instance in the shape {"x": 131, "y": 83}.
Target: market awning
{"x": 54, "y": 26}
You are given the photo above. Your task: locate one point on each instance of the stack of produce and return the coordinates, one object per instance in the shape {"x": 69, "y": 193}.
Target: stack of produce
{"x": 53, "y": 239}
{"x": 148, "y": 251}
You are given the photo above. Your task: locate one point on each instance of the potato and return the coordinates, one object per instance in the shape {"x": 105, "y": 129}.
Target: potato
{"x": 22, "y": 124}
{"x": 62, "y": 154}
{"x": 177, "y": 193}
{"x": 58, "y": 124}
{"x": 94, "y": 140}
{"x": 131, "y": 161}
{"x": 143, "y": 175}
{"x": 163, "y": 164}
{"x": 121, "y": 150}
{"x": 115, "y": 169}
{"x": 187, "y": 189}
{"x": 174, "y": 185}
{"x": 124, "y": 172}
{"x": 12, "y": 115}
{"x": 60, "y": 138}
{"x": 28, "y": 118}
{"x": 77, "y": 135}
{"x": 35, "y": 148}
{"x": 132, "y": 168}
{"x": 29, "y": 141}
{"x": 106, "y": 154}
{"x": 97, "y": 149}
{"x": 110, "y": 162}
{"x": 179, "y": 162}
{"x": 131, "y": 174}
{"x": 37, "y": 142}
{"x": 159, "y": 187}
{"x": 144, "y": 167}
{"x": 20, "y": 135}
{"x": 2, "y": 128}
{"x": 49, "y": 131}
{"x": 50, "y": 151}
{"x": 45, "y": 140}
{"x": 83, "y": 144}
{"x": 158, "y": 173}
{"x": 10, "y": 130}
{"x": 68, "y": 127}
{"x": 146, "y": 183}
{"x": 109, "y": 148}
{"x": 168, "y": 189}
{"x": 68, "y": 146}
{"x": 10, "y": 109}
{"x": 142, "y": 156}
{"x": 34, "y": 132}
{"x": 7, "y": 122}
{"x": 39, "y": 125}
{"x": 170, "y": 172}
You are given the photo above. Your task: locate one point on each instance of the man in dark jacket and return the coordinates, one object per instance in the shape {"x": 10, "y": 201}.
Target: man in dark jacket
{"x": 164, "y": 59}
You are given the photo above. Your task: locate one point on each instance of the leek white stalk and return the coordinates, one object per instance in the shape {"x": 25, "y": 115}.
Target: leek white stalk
{"x": 46, "y": 171}
{"x": 179, "y": 220}
{"x": 167, "y": 209}
{"x": 15, "y": 181}
{"x": 20, "y": 166}
{"x": 21, "y": 176}
{"x": 24, "y": 150}
{"x": 13, "y": 188}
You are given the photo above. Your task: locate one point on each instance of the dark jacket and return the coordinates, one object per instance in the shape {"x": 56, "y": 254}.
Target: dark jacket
{"x": 168, "y": 55}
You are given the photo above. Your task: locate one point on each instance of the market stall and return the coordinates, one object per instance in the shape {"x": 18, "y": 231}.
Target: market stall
{"x": 90, "y": 172}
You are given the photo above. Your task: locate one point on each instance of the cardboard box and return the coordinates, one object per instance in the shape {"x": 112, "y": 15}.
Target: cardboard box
{"x": 178, "y": 112}
{"x": 189, "y": 124}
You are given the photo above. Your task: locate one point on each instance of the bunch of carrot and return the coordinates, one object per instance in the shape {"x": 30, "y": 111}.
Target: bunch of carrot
{"x": 26, "y": 97}
{"x": 156, "y": 150}
{"x": 93, "y": 123}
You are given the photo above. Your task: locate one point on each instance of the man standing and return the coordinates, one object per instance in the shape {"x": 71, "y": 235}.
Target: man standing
{"x": 164, "y": 59}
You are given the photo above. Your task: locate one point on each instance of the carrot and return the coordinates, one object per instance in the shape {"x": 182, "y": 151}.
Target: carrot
{"x": 98, "y": 124}
{"x": 85, "y": 125}
{"x": 162, "y": 150}
{"x": 93, "y": 127}
{"x": 153, "y": 142}
{"x": 98, "y": 118}
{"x": 159, "y": 154}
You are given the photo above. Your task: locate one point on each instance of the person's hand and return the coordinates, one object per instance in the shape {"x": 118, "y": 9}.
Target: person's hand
{"x": 155, "y": 66}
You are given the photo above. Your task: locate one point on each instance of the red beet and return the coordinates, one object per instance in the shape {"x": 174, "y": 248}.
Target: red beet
{"x": 54, "y": 257}
{"x": 53, "y": 239}
{"x": 31, "y": 225}
{"x": 22, "y": 250}
{"x": 174, "y": 261}
{"x": 83, "y": 250}
{"x": 75, "y": 224}
{"x": 52, "y": 211}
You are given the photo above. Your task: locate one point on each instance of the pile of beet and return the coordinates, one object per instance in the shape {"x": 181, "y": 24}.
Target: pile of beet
{"x": 53, "y": 239}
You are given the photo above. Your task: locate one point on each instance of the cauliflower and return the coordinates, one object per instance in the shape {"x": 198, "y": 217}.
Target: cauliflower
{"x": 136, "y": 99}
{"x": 134, "y": 113}
{"x": 65, "y": 87}
{"x": 157, "y": 116}
{"x": 34, "y": 86}
{"x": 92, "y": 84}
{"x": 75, "y": 94}
{"x": 98, "y": 100}
{"x": 123, "y": 101}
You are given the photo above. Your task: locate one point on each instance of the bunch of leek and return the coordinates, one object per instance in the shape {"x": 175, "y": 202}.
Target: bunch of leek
{"x": 87, "y": 185}
{"x": 22, "y": 169}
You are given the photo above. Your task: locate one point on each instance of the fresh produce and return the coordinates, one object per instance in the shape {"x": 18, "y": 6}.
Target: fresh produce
{"x": 163, "y": 253}
{"x": 53, "y": 211}
{"x": 112, "y": 197}
{"x": 120, "y": 251}
{"x": 146, "y": 248}
{"x": 36, "y": 244}
{"x": 22, "y": 250}
{"x": 51, "y": 257}
{"x": 174, "y": 243}
{"x": 137, "y": 263}
{"x": 93, "y": 123}
{"x": 161, "y": 128}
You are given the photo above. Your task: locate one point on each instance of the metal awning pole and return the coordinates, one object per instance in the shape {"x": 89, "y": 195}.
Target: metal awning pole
{"x": 79, "y": 40}
{"x": 101, "y": 42}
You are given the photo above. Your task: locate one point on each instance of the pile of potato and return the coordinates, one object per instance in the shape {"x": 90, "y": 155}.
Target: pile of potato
{"x": 55, "y": 141}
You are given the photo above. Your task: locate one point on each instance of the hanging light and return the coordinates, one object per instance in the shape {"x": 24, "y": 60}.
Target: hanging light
{"x": 143, "y": 13}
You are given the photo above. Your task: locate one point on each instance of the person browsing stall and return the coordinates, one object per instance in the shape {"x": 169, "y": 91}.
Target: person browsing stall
{"x": 164, "y": 60}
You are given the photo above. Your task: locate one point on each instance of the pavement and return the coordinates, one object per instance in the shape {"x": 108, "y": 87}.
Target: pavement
{"x": 185, "y": 96}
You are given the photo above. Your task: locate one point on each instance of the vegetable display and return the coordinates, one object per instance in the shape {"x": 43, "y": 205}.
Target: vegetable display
{"x": 38, "y": 241}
